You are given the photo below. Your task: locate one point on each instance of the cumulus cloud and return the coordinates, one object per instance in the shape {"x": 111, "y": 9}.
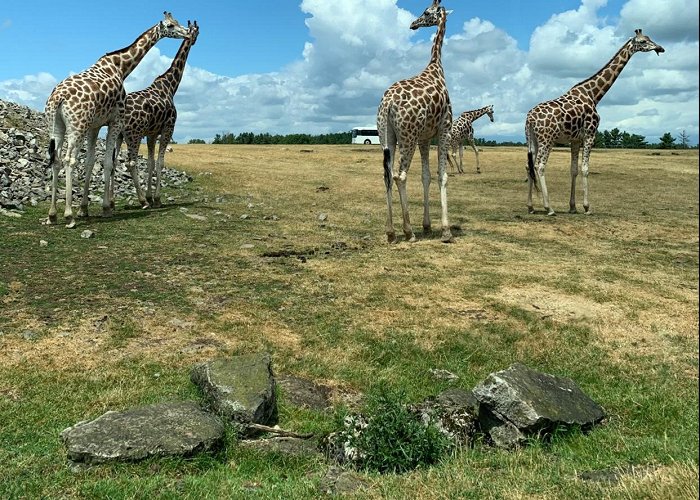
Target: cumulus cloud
{"x": 355, "y": 50}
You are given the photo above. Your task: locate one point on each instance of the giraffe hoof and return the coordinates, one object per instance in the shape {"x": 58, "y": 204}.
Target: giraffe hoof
{"x": 573, "y": 210}
{"x": 447, "y": 237}
{"x": 587, "y": 210}
{"x": 51, "y": 220}
{"x": 70, "y": 223}
{"x": 83, "y": 211}
{"x": 391, "y": 237}
{"x": 427, "y": 230}
{"x": 530, "y": 210}
{"x": 411, "y": 237}
{"x": 551, "y": 213}
{"x": 106, "y": 212}
{"x": 157, "y": 204}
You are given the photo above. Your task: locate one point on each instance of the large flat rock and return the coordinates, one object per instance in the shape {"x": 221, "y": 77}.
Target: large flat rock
{"x": 165, "y": 429}
{"x": 534, "y": 402}
{"x": 241, "y": 389}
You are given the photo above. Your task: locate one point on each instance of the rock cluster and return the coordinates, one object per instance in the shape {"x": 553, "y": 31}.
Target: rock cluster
{"x": 25, "y": 178}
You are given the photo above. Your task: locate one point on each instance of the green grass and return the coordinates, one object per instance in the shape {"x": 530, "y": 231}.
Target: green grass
{"x": 608, "y": 300}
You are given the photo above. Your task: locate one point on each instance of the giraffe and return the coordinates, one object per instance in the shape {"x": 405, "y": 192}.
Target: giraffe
{"x": 573, "y": 118}
{"x": 462, "y": 129}
{"x": 151, "y": 113}
{"x": 410, "y": 114}
{"x": 85, "y": 102}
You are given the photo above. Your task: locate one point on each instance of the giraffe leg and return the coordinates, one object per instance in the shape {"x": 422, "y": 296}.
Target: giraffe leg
{"x": 89, "y": 164}
{"x": 442, "y": 181}
{"x": 575, "y": 147}
{"x": 476, "y": 152}
{"x": 165, "y": 137}
{"x": 113, "y": 132}
{"x": 72, "y": 149}
{"x": 425, "y": 177}
{"x": 542, "y": 158}
{"x": 132, "y": 148}
{"x": 460, "y": 168}
{"x": 151, "y": 143}
{"x": 587, "y": 147}
{"x": 400, "y": 178}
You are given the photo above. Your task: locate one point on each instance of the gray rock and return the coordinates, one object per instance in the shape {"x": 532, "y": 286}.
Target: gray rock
{"x": 241, "y": 389}
{"x": 454, "y": 412}
{"x": 165, "y": 429}
{"x": 337, "y": 481}
{"x": 87, "y": 234}
{"x": 534, "y": 403}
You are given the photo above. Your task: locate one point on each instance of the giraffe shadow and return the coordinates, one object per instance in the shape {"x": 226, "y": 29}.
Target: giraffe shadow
{"x": 135, "y": 212}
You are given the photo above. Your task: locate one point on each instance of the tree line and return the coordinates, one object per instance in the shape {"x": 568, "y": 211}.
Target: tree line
{"x": 614, "y": 138}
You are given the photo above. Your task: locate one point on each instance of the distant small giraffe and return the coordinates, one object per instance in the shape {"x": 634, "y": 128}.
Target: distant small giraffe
{"x": 411, "y": 113}
{"x": 462, "y": 129}
{"x": 151, "y": 113}
{"x": 85, "y": 102}
{"x": 573, "y": 118}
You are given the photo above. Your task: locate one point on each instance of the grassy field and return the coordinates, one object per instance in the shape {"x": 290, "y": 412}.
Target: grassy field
{"x": 610, "y": 300}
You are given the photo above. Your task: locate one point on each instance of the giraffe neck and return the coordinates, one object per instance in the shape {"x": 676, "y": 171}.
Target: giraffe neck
{"x": 598, "y": 85}
{"x": 126, "y": 59}
{"x": 170, "y": 80}
{"x": 475, "y": 114}
{"x": 436, "y": 54}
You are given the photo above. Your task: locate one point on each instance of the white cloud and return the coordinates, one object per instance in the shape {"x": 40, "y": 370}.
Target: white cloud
{"x": 357, "y": 49}
{"x": 662, "y": 20}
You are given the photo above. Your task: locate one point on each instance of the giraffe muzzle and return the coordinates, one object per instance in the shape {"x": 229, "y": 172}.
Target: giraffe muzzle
{"x": 659, "y": 50}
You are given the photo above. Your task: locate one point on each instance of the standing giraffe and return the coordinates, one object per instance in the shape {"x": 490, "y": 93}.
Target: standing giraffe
{"x": 462, "y": 129}
{"x": 151, "y": 113}
{"x": 573, "y": 118}
{"x": 411, "y": 113}
{"x": 85, "y": 102}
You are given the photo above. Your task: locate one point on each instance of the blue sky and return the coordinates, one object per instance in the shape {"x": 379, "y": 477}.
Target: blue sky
{"x": 316, "y": 66}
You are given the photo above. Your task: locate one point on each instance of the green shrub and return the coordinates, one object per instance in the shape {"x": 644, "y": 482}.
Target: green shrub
{"x": 392, "y": 439}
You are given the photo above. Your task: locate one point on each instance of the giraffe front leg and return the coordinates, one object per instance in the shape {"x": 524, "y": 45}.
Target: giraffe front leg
{"x": 110, "y": 154}
{"x": 442, "y": 181}
{"x": 574, "y": 173}
{"x": 587, "y": 147}
{"x": 476, "y": 153}
{"x": 89, "y": 164}
{"x": 545, "y": 194}
{"x": 151, "y": 144}
{"x": 425, "y": 177}
{"x": 460, "y": 167}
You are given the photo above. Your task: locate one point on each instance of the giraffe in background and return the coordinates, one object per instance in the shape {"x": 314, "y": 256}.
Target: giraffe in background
{"x": 462, "y": 129}
{"x": 573, "y": 118}
{"x": 151, "y": 113}
{"x": 85, "y": 102}
{"x": 411, "y": 113}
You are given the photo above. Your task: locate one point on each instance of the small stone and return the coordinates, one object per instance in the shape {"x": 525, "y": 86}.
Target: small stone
{"x": 43, "y": 243}
{"x": 247, "y": 246}
{"x": 87, "y": 234}
{"x": 323, "y": 217}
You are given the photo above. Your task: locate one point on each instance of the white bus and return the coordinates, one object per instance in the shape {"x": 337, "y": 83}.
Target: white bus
{"x": 365, "y": 135}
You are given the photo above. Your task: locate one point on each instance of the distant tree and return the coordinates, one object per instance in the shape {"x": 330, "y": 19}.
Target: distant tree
{"x": 667, "y": 141}
{"x": 196, "y": 141}
{"x": 684, "y": 140}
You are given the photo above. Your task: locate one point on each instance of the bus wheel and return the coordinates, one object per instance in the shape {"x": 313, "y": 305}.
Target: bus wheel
{"x": 367, "y": 141}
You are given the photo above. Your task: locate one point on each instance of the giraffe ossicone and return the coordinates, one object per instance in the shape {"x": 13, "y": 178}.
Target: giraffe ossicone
{"x": 573, "y": 118}
{"x": 80, "y": 105}
{"x": 410, "y": 114}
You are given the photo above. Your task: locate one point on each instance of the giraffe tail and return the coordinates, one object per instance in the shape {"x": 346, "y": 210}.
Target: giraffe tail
{"x": 531, "y": 169}
{"x": 531, "y": 158}
{"x": 387, "y": 169}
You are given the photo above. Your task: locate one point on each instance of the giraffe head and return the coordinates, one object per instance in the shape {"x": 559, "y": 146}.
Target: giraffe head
{"x": 431, "y": 16}
{"x": 489, "y": 111}
{"x": 170, "y": 28}
{"x": 642, "y": 43}
{"x": 193, "y": 30}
